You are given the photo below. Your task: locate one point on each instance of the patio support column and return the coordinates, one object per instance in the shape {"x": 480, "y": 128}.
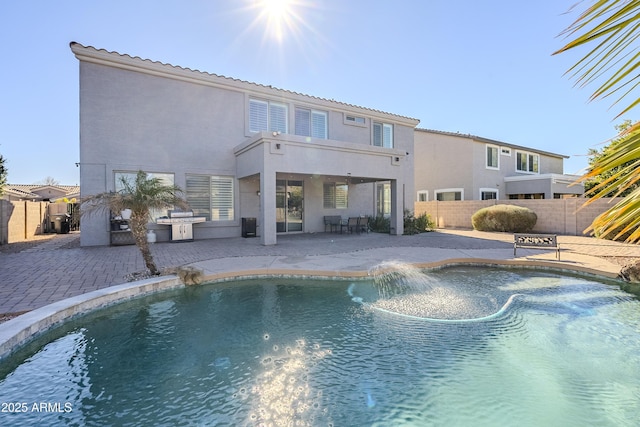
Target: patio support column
{"x": 397, "y": 220}
{"x": 268, "y": 207}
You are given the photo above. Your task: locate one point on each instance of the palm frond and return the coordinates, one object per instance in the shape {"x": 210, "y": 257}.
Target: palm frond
{"x": 621, "y": 220}
{"x": 616, "y": 25}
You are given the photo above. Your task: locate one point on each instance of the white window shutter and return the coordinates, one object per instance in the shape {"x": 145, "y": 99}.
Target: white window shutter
{"x": 257, "y": 116}
{"x": 319, "y": 125}
{"x": 277, "y": 118}
{"x": 377, "y": 134}
{"x": 303, "y": 122}
{"x": 387, "y": 136}
{"x": 222, "y": 197}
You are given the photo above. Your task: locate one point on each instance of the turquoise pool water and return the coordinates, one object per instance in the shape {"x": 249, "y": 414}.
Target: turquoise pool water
{"x": 565, "y": 352}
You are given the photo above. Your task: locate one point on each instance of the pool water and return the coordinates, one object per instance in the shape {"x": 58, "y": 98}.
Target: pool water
{"x": 566, "y": 352}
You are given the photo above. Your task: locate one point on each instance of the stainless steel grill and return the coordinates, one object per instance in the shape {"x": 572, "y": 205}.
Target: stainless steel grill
{"x": 181, "y": 223}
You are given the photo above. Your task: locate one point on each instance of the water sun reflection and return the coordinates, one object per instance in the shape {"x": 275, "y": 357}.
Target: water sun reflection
{"x": 282, "y": 393}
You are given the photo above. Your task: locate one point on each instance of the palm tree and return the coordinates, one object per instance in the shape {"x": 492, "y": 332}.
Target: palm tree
{"x": 140, "y": 196}
{"x": 3, "y": 174}
{"x": 614, "y": 65}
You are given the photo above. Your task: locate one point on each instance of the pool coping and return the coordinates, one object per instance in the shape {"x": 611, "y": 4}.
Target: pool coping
{"x": 19, "y": 331}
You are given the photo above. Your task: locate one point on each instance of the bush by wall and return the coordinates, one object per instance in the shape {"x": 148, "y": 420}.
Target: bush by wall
{"x": 416, "y": 225}
{"x": 509, "y": 218}
{"x": 412, "y": 224}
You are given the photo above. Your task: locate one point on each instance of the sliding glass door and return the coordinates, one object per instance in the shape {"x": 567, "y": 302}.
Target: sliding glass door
{"x": 289, "y": 205}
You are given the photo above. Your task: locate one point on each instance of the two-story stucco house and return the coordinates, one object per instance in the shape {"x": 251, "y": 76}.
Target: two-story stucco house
{"x": 453, "y": 166}
{"x": 237, "y": 149}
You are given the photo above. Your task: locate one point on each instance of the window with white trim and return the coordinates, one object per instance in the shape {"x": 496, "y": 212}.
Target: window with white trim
{"x": 267, "y": 116}
{"x": 423, "y": 196}
{"x": 527, "y": 162}
{"x": 383, "y": 135}
{"x": 488, "y": 194}
{"x": 211, "y": 196}
{"x": 311, "y": 123}
{"x": 354, "y": 120}
{"x": 493, "y": 160}
{"x": 335, "y": 195}
{"x": 449, "y": 194}
{"x": 130, "y": 177}
{"x": 505, "y": 151}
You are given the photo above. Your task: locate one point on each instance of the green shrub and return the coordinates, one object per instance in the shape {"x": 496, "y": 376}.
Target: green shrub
{"x": 509, "y": 218}
{"x": 425, "y": 223}
{"x": 413, "y": 225}
{"x": 379, "y": 224}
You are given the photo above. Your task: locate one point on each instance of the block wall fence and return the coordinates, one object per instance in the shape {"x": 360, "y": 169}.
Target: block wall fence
{"x": 21, "y": 220}
{"x": 557, "y": 216}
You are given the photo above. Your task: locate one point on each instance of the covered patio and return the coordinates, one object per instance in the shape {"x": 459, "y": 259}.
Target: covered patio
{"x": 271, "y": 163}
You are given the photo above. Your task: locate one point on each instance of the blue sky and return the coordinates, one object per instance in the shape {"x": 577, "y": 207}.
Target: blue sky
{"x": 478, "y": 67}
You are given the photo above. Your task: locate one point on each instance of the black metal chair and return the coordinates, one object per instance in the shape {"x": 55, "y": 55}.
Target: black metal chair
{"x": 333, "y": 222}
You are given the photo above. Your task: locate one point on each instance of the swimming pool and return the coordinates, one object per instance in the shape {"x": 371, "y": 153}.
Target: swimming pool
{"x": 278, "y": 351}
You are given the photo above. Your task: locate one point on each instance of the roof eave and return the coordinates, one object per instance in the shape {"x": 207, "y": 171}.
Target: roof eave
{"x": 494, "y": 141}
{"x": 123, "y": 61}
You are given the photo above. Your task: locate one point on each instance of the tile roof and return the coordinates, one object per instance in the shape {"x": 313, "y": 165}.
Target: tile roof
{"x": 29, "y": 190}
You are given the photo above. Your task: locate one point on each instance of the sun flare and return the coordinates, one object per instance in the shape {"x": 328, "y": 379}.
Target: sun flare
{"x": 283, "y": 25}
{"x": 278, "y": 15}
{"x": 276, "y": 8}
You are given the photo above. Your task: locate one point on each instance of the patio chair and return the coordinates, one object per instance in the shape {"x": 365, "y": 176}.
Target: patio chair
{"x": 351, "y": 225}
{"x": 333, "y": 221}
{"x": 363, "y": 225}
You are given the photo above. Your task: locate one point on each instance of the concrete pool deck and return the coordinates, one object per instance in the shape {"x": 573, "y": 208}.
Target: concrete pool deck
{"x": 57, "y": 279}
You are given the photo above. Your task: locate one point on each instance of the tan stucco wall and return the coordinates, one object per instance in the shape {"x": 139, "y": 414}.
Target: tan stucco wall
{"x": 442, "y": 162}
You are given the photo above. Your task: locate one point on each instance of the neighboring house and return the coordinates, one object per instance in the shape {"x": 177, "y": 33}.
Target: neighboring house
{"x": 40, "y": 193}
{"x": 238, "y": 149}
{"x": 453, "y": 166}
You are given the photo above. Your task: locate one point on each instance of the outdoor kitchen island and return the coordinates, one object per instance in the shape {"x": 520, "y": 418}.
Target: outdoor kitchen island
{"x": 181, "y": 223}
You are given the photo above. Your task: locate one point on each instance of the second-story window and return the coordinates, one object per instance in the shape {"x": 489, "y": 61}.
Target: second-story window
{"x": 311, "y": 123}
{"x": 267, "y": 116}
{"x": 527, "y": 162}
{"x": 492, "y": 157}
{"x": 354, "y": 120}
{"x": 383, "y": 135}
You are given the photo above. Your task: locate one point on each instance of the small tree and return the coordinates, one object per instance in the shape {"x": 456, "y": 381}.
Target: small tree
{"x": 622, "y": 171}
{"x": 140, "y": 196}
{"x": 50, "y": 181}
